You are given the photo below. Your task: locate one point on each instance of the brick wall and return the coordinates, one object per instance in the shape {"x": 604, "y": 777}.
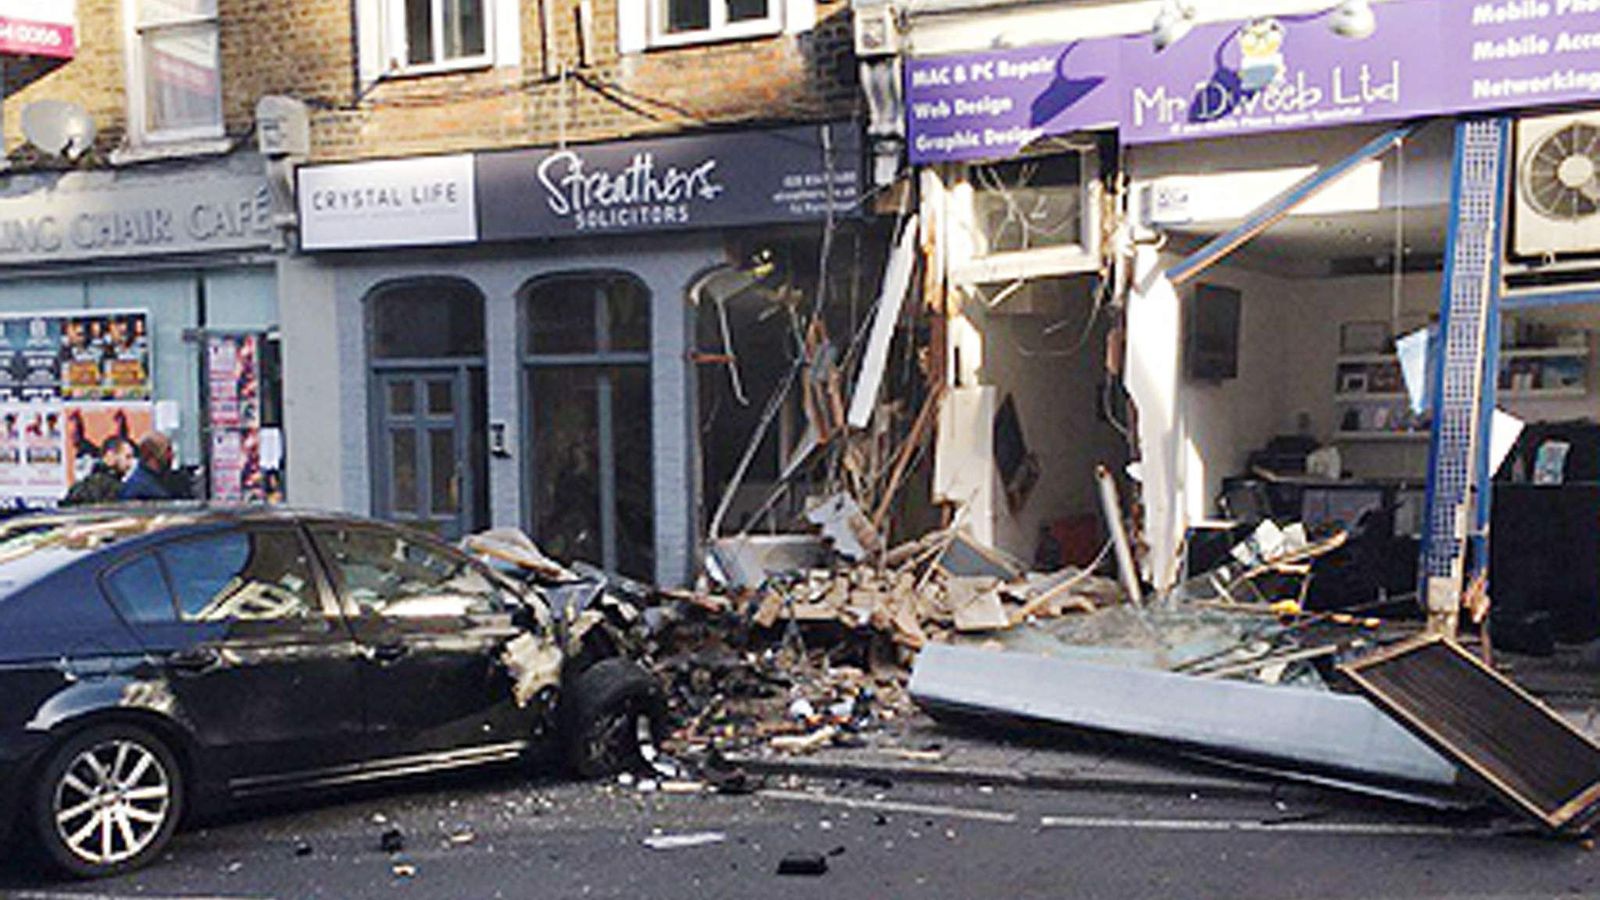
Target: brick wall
{"x": 306, "y": 49}
{"x": 788, "y": 77}
{"x": 94, "y": 79}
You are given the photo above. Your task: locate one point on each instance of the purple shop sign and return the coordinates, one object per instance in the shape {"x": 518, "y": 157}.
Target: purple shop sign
{"x": 1427, "y": 57}
{"x": 987, "y": 105}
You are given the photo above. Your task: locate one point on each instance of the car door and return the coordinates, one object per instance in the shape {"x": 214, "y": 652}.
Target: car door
{"x": 432, "y": 624}
{"x": 253, "y": 650}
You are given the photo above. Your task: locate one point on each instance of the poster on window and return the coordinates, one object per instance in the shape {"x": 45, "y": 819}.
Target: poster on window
{"x": 233, "y": 378}
{"x": 233, "y": 374}
{"x": 33, "y": 452}
{"x": 105, "y": 356}
{"x": 90, "y": 425}
{"x": 30, "y": 363}
{"x": 236, "y": 474}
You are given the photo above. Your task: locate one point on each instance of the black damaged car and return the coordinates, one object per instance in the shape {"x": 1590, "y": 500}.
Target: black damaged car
{"x": 156, "y": 662}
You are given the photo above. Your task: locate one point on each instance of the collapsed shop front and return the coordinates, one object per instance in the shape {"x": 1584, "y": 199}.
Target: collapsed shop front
{"x": 510, "y": 333}
{"x": 1267, "y": 275}
{"x": 137, "y": 300}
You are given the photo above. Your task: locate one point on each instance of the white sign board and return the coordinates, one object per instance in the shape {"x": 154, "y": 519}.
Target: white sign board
{"x": 387, "y": 203}
{"x": 39, "y": 28}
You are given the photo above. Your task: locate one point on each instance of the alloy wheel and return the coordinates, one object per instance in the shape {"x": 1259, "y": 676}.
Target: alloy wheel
{"x": 112, "y": 801}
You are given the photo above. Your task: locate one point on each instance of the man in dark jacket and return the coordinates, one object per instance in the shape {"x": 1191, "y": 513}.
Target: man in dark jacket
{"x": 104, "y": 483}
{"x": 149, "y": 480}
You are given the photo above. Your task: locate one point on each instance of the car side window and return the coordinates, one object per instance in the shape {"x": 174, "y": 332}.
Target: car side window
{"x": 247, "y": 575}
{"x": 140, "y": 592}
{"x": 388, "y": 573}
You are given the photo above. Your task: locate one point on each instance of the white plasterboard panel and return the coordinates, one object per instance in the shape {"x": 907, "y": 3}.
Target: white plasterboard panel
{"x": 963, "y": 462}
{"x": 896, "y": 284}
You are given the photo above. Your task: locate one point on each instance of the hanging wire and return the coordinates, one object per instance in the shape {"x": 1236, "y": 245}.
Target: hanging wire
{"x": 1397, "y": 260}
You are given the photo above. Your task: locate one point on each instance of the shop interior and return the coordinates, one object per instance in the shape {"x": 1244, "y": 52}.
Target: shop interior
{"x": 1296, "y": 406}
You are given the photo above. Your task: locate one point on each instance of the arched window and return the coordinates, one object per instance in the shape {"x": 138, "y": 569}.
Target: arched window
{"x": 426, "y": 318}
{"x": 586, "y": 353}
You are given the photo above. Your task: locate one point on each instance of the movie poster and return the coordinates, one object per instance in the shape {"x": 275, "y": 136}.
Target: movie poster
{"x": 11, "y": 469}
{"x": 89, "y": 425}
{"x": 233, "y": 376}
{"x": 105, "y": 356}
{"x": 68, "y": 381}
{"x": 30, "y": 362}
{"x": 33, "y": 456}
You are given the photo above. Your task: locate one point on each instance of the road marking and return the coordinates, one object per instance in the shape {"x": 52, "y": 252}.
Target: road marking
{"x": 1252, "y": 825}
{"x": 921, "y": 809}
{"x": 1368, "y": 829}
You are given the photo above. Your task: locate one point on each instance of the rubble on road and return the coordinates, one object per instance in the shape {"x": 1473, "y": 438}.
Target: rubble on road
{"x": 796, "y": 643}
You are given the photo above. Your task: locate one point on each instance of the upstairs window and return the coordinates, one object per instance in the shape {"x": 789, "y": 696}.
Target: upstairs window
{"x": 644, "y": 24}
{"x": 685, "y": 21}
{"x": 175, "y": 88}
{"x": 436, "y": 34}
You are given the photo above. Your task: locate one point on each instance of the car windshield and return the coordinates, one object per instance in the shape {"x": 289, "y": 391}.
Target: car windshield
{"x": 35, "y": 546}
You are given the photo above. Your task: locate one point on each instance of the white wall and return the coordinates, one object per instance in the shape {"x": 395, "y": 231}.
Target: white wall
{"x": 1226, "y": 421}
{"x": 1054, "y": 380}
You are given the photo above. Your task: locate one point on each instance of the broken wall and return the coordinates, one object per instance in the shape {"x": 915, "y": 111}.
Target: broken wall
{"x": 1048, "y": 354}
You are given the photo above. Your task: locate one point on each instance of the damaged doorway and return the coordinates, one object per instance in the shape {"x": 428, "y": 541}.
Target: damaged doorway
{"x": 428, "y": 442}
{"x": 586, "y": 363}
{"x": 1033, "y": 366}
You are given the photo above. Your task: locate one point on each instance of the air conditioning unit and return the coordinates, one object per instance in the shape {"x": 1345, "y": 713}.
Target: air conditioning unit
{"x": 1557, "y": 191}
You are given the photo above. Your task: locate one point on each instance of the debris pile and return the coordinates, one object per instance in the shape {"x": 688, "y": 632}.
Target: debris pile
{"x": 794, "y": 654}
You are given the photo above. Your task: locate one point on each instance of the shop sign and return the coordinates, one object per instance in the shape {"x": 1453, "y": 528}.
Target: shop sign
{"x": 1427, "y": 57}
{"x": 38, "y": 28}
{"x": 151, "y": 218}
{"x": 700, "y": 181}
{"x": 388, "y": 203}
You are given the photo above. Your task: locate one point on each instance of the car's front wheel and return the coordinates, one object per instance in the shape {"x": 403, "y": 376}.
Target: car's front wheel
{"x": 108, "y": 801}
{"x": 614, "y": 718}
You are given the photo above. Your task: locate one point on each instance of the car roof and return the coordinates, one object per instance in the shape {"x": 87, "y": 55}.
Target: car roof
{"x": 35, "y": 545}
{"x": 152, "y": 517}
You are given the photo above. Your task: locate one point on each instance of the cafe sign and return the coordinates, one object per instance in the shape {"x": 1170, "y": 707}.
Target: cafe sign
{"x": 63, "y": 221}
{"x": 1426, "y": 58}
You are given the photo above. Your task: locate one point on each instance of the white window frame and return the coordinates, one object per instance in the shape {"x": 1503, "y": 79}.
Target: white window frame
{"x": 720, "y": 30}
{"x": 139, "y": 130}
{"x": 396, "y": 45}
{"x": 970, "y": 262}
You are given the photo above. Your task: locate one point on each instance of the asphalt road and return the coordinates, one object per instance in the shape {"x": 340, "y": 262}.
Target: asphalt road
{"x": 497, "y": 835}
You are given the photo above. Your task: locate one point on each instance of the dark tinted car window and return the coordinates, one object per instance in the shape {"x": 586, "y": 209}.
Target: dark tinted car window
{"x": 250, "y": 575}
{"x": 390, "y": 574}
{"x": 140, "y": 591}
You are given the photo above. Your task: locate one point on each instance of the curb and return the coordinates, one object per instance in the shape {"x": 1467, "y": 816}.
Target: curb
{"x": 969, "y": 775}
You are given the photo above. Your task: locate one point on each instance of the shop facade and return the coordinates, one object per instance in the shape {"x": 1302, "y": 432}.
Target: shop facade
{"x": 124, "y": 295}
{"x": 505, "y": 338}
{"x": 1273, "y": 199}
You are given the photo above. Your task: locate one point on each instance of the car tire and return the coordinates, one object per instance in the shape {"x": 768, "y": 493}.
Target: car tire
{"x": 614, "y": 719}
{"x": 107, "y": 801}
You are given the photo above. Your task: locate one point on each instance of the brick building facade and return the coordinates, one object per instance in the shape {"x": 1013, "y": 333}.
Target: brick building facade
{"x": 425, "y": 366}
{"x": 568, "y": 82}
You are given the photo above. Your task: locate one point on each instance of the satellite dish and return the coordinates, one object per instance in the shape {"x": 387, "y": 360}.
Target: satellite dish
{"x": 58, "y": 128}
